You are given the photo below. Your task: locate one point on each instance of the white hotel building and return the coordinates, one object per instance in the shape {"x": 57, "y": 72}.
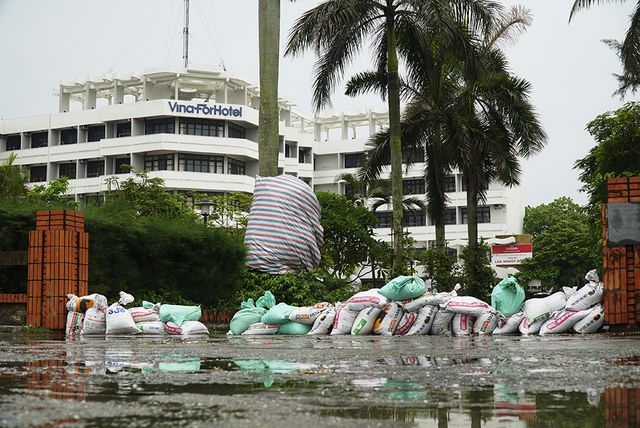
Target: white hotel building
{"x": 197, "y": 129}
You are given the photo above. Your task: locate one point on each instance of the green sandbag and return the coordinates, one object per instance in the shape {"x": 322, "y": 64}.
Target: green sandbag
{"x": 244, "y": 318}
{"x": 267, "y": 301}
{"x": 403, "y": 288}
{"x": 293, "y": 327}
{"x": 179, "y": 313}
{"x": 507, "y": 296}
{"x": 278, "y": 314}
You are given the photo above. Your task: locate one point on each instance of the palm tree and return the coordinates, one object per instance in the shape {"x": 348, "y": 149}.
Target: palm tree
{"x": 628, "y": 50}
{"x": 269, "y": 46}
{"x": 336, "y": 30}
{"x": 13, "y": 180}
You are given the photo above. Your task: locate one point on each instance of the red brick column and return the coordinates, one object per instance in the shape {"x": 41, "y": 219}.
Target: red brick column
{"x": 58, "y": 264}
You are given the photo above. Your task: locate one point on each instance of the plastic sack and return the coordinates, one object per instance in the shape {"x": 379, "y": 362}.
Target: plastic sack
{"x": 509, "y": 325}
{"x": 586, "y": 297}
{"x": 403, "y": 288}
{"x": 388, "y": 319}
{"x": 324, "y": 323}
{"x": 260, "y": 329}
{"x": 366, "y": 299}
{"x": 343, "y": 320}
{"x": 462, "y": 324}
{"x": 179, "y": 313}
{"x": 188, "y": 327}
{"x": 278, "y": 314}
{"x": 308, "y": 314}
{"x": 592, "y": 322}
{"x": 294, "y": 328}
{"x": 363, "y": 324}
{"x": 74, "y": 324}
{"x": 507, "y": 296}
{"x": 247, "y": 315}
{"x": 541, "y": 308}
{"x": 406, "y": 322}
{"x": 151, "y": 327}
{"x": 562, "y": 321}
{"x": 466, "y": 305}
{"x": 487, "y": 322}
{"x": 94, "y": 321}
{"x": 81, "y": 304}
{"x": 142, "y": 314}
{"x": 422, "y": 323}
{"x": 120, "y": 321}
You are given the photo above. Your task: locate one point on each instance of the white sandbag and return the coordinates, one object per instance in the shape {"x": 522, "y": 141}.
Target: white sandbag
{"x": 388, "y": 319}
{"x": 95, "y": 321}
{"x": 74, "y": 324}
{"x": 466, "y": 305}
{"x": 424, "y": 320}
{"x": 324, "y": 322}
{"x": 430, "y": 298}
{"x": 366, "y": 299}
{"x": 141, "y": 314}
{"x": 562, "y": 321}
{"x": 81, "y": 304}
{"x": 308, "y": 314}
{"x": 363, "y": 324}
{"x": 343, "y": 320}
{"x": 541, "y": 308}
{"x": 120, "y": 321}
{"x": 191, "y": 327}
{"x": 462, "y": 324}
{"x": 260, "y": 329}
{"x": 510, "y": 324}
{"x": 587, "y": 296}
{"x": 527, "y": 327}
{"x": 487, "y": 322}
{"x": 592, "y": 322}
{"x": 406, "y": 322}
{"x": 152, "y": 327}
{"x": 442, "y": 323}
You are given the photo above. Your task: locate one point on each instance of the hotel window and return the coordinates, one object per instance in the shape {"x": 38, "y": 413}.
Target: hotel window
{"x": 13, "y": 142}
{"x": 123, "y": 129}
{"x": 384, "y": 218}
{"x": 450, "y": 216}
{"x": 483, "y": 215}
{"x": 122, "y": 165}
{"x": 236, "y": 167}
{"x": 290, "y": 149}
{"x": 69, "y": 136}
{"x": 160, "y": 126}
{"x": 67, "y": 170}
{"x": 304, "y": 155}
{"x": 236, "y": 131}
{"x": 158, "y": 163}
{"x": 39, "y": 139}
{"x": 413, "y": 186}
{"x": 37, "y": 173}
{"x": 353, "y": 160}
{"x": 95, "y": 168}
{"x": 204, "y": 127}
{"x": 193, "y": 163}
{"x": 450, "y": 183}
{"x": 414, "y": 219}
{"x": 95, "y": 133}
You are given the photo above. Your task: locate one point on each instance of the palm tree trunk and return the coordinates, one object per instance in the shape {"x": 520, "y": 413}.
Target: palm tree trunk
{"x": 393, "y": 99}
{"x": 269, "y": 45}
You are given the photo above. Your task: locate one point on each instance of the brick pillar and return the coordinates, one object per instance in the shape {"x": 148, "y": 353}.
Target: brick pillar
{"x": 621, "y": 264}
{"x": 58, "y": 264}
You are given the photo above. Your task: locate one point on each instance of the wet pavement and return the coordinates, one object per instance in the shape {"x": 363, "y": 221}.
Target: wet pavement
{"x": 320, "y": 381}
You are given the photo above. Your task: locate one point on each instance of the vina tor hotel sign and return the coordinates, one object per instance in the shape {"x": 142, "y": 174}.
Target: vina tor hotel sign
{"x": 205, "y": 109}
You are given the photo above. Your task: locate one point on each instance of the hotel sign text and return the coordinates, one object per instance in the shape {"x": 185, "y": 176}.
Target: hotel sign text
{"x": 206, "y": 109}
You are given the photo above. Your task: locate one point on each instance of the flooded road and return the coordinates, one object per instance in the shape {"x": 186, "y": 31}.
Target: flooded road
{"x": 320, "y": 381}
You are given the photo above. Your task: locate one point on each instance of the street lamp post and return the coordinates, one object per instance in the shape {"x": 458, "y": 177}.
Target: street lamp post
{"x": 205, "y": 209}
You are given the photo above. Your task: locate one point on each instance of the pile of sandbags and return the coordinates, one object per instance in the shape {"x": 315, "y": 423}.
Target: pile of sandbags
{"x": 404, "y": 307}
{"x": 91, "y": 315}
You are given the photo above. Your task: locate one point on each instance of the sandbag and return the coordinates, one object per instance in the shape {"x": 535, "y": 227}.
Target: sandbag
{"x": 466, "y": 305}
{"x": 74, "y": 324}
{"x": 462, "y": 324}
{"x": 507, "y": 296}
{"x": 587, "y": 296}
{"x": 442, "y": 323}
{"x": 324, "y": 323}
{"x": 366, "y": 299}
{"x": 260, "y": 329}
{"x": 343, "y": 320}
{"x": 388, "y": 319}
{"x": 178, "y": 314}
{"x": 429, "y": 298}
{"x": 120, "y": 321}
{"x": 487, "y": 322}
{"x": 424, "y": 320}
{"x": 592, "y": 322}
{"x": 363, "y": 324}
{"x": 562, "y": 321}
{"x": 278, "y": 314}
{"x": 510, "y": 324}
{"x": 527, "y": 327}
{"x": 95, "y": 321}
{"x": 283, "y": 231}
{"x": 308, "y": 314}
{"x": 403, "y": 288}
{"x": 142, "y": 314}
{"x": 541, "y": 308}
{"x": 247, "y": 315}
{"x": 406, "y": 322}
{"x": 187, "y": 328}
{"x": 294, "y": 328}
{"x": 151, "y": 327}
{"x": 81, "y": 304}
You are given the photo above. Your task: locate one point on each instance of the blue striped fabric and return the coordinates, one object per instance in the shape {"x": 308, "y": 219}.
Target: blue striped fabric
{"x": 283, "y": 233}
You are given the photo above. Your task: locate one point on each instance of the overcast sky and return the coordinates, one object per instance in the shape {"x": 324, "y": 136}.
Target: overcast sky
{"x": 43, "y": 43}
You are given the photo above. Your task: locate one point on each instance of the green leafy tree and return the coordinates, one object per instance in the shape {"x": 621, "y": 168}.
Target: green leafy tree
{"x": 336, "y": 30}
{"x": 52, "y": 194}
{"x": 146, "y": 196}
{"x": 477, "y": 278}
{"x": 13, "y": 179}
{"x": 564, "y": 249}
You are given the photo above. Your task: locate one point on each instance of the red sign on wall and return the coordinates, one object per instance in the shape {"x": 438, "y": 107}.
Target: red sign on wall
{"x": 512, "y": 254}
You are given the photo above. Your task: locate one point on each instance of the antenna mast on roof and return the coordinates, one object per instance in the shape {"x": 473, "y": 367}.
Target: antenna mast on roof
{"x": 185, "y": 32}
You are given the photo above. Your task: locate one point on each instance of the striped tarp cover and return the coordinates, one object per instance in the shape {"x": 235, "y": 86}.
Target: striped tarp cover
{"x": 283, "y": 233}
